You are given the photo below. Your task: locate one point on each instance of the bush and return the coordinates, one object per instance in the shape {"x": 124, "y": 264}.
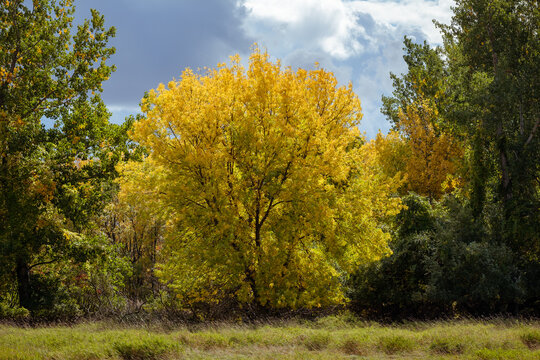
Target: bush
{"x": 443, "y": 262}
{"x": 86, "y": 281}
{"x": 13, "y": 312}
{"x": 396, "y": 285}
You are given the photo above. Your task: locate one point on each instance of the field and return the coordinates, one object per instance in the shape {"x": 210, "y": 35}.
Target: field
{"x": 332, "y": 337}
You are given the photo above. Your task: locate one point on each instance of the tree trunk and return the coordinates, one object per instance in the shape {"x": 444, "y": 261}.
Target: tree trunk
{"x": 23, "y": 283}
{"x": 506, "y": 184}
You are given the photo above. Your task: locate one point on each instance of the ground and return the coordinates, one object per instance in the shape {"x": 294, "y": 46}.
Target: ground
{"x": 334, "y": 337}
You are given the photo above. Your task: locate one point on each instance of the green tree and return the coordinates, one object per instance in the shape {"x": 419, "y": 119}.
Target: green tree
{"x": 484, "y": 85}
{"x": 52, "y": 180}
{"x": 426, "y": 78}
{"x": 500, "y": 60}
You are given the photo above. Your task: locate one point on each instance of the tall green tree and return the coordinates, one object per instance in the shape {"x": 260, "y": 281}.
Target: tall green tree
{"x": 499, "y": 42}
{"x": 426, "y": 78}
{"x": 52, "y": 179}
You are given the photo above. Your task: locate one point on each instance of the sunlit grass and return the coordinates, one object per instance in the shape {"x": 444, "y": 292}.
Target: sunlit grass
{"x": 335, "y": 337}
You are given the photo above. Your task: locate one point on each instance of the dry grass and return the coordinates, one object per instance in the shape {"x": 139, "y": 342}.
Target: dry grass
{"x": 335, "y": 337}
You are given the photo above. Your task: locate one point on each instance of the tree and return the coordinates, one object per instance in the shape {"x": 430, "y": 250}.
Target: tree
{"x": 52, "y": 180}
{"x": 270, "y": 196}
{"x": 392, "y": 153}
{"x": 440, "y": 265}
{"x": 137, "y": 231}
{"x": 435, "y": 156}
{"x": 500, "y": 46}
{"x": 426, "y": 78}
{"x": 419, "y": 106}
{"x": 484, "y": 94}
{"x": 427, "y": 158}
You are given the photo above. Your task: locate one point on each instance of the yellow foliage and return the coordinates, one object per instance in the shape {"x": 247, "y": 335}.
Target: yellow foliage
{"x": 434, "y": 156}
{"x": 268, "y": 195}
{"x": 391, "y": 153}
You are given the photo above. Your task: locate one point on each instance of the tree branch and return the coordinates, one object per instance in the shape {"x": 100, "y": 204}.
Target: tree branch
{"x": 532, "y": 133}
{"x": 43, "y": 263}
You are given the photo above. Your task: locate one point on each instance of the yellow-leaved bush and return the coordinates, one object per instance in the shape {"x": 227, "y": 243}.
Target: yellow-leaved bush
{"x": 269, "y": 195}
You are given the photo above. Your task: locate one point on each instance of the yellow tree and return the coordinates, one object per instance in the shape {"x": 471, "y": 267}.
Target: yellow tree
{"x": 391, "y": 153}
{"x": 434, "y": 155}
{"x": 268, "y": 194}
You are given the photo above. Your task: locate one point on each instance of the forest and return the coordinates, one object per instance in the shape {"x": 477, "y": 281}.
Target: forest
{"x": 247, "y": 191}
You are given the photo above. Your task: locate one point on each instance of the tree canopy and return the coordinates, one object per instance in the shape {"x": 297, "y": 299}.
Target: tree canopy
{"x": 270, "y": 195}
{"x": 52, "y": 179}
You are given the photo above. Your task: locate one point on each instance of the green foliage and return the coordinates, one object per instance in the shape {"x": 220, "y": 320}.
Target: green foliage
{"x": 485, "y": 278}
{"x": 416, "y": 218}
{"x": 396, "y": 285}
{"x": 426, "y": 78}
{"x": 53, "y": 181}
{"x": 494, "y": 49}
{"x": 137, "y": 232}
{"x": 12, "y": 312}
{"x": 440, "y": 264}
{"x": 479, "y": 254}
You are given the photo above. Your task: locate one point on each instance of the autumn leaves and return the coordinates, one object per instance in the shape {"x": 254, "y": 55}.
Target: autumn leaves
{"x": 270, "y": 195}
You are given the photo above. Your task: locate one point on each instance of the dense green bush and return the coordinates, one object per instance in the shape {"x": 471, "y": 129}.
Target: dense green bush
{"x": 443, "y": 262}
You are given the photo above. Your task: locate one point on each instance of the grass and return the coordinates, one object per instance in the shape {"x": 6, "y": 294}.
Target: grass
{"x": 336, "y": 337}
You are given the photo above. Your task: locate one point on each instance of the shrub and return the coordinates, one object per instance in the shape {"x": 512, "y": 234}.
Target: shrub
{"x": 443, "y": 262}
{"x": 12, "y": 312}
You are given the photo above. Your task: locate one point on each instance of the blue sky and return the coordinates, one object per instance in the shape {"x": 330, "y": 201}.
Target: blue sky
{"x": 359, "y": 40}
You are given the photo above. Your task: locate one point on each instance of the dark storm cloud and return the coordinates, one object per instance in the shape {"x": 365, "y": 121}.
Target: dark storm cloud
{"x": 156, "y": 40}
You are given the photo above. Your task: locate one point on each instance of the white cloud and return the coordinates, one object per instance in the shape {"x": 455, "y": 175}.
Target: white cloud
{"x": 328, "y": 25}
{"x": 359, "y": 40}
{"x": 333, "y": 26}
{"x": 413, "y": 14}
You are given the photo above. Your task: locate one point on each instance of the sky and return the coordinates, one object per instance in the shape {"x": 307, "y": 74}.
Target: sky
{"x": 360, "y": 41}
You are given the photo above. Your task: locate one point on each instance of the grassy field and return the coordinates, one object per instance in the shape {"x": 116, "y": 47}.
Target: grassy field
{"x": 328, "y": 338}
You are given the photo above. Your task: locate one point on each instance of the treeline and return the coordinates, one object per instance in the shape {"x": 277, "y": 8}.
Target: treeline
{"x": 251, "y": 191}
